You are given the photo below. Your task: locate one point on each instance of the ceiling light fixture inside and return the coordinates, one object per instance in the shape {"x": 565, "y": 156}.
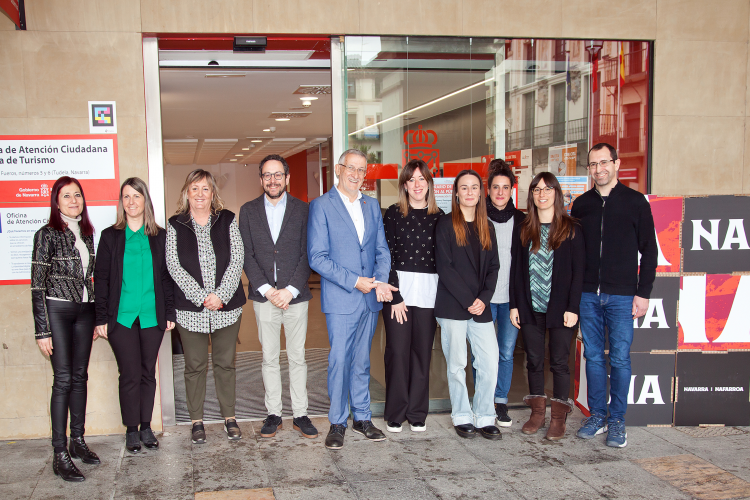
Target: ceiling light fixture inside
{"x": 239, "y": 155}
{"x": 308, "y": 98}
{"x": 282, "y": 119}
{"x": 424, "y": 105}
{"x": 266, "y": 130}
{"x": 256, "y": 140}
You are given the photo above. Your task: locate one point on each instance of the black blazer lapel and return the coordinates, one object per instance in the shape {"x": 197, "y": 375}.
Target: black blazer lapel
{"x": 287, "y": 213}
{"x": 260, "y": 212}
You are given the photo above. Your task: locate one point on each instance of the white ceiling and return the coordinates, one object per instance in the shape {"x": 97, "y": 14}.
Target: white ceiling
{"x": 209, "y": 120}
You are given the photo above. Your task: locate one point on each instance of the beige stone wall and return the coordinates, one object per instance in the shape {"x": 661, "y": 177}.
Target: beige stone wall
{"x": 80, "y": 50}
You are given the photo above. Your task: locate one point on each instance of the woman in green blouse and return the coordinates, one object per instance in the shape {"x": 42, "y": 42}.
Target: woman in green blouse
{"x": 134, "y": 308}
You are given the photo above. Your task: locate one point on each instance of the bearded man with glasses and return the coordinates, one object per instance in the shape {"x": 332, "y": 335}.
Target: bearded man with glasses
{"x": 617, "y": 226}
{"x": 274, "y": 230}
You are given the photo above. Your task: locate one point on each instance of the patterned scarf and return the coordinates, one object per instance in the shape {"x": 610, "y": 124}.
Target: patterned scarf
{"x": 501, "y": 216}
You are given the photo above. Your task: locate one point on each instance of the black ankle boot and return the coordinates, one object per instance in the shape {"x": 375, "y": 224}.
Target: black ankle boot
{"x": 79, "y": 449}
{"x": 64, "y": 467}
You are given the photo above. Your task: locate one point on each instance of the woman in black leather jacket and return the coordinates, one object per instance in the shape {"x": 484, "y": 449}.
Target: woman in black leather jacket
{"x": 62, "y": 297}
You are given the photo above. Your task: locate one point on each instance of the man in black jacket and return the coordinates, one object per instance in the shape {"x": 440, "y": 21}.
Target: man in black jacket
{"x": 617, "y": 227}
{"x": 274, "y": 230}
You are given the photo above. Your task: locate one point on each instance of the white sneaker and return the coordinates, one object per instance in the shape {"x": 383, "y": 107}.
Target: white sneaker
{"x": 418, "y": 426}
{"x": 392, "y": 426}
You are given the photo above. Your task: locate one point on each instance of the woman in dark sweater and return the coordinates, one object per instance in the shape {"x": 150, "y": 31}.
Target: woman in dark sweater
{"x": 467, "y": 267}
{"x": 545, "y": 291}
{"x": 410, "y": 318}
{"x": 134, "y": 308}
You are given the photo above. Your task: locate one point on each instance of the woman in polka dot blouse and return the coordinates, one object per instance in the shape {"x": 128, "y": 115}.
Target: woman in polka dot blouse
{"x": 409, "y": 319}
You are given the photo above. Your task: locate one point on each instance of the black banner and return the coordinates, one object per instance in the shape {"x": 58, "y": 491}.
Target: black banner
{"x": 712, "y": 388}
{"x": 657, "y": 330}
{"x": 714, "y": 234}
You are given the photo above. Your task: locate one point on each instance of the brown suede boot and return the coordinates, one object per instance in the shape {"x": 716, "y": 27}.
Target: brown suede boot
{"x": 538, "y": 406}
{"x": 560, "y": 410}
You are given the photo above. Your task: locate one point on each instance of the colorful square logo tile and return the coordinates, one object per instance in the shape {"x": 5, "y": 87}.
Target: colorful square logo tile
{"x": 102, "y": 117}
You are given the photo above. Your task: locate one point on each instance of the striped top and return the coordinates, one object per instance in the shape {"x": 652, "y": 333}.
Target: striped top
{"x": 540, "y": 272}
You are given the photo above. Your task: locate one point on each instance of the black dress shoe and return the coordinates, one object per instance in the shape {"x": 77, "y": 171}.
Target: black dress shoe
{"x": 64, "y": 467}
{"x": 270, "y": 425}
{"x": 335, "y": 438}
{"x": 148, "y": 439}
{"x": 368, "y": 430}
{"x": 79, "y": 449}
{"x": 133, "y": 442}
{"x": 465, "y": 430}
{"x": 490, "y": 432}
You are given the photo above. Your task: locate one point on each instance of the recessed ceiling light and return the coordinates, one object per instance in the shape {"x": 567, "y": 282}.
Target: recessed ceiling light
{"x": 282, "y": 119}
{"x": 239, "y": 155}
{"x": 256, "y": 140}
{"x": 233, "y": 159}
{"x": 245, "y": 149}
{"x": 266, "y": 130}
{"x": 308, "y": 98}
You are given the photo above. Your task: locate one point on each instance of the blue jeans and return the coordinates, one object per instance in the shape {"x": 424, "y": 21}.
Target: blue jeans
{"x": 506, "y": 343}
{"x": 616, "y": 313}
{"x": 453, "y": 335}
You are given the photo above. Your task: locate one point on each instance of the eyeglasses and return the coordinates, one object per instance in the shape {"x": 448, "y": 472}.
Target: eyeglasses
{"x": 546, "y": 189}
{"x": 603, "y": 164}
{"x": 276, "y": 175}
{"x": 360, "y": 172}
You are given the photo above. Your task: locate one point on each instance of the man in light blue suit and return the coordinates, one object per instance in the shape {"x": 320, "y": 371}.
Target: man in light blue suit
{"x": 346, "y": 246}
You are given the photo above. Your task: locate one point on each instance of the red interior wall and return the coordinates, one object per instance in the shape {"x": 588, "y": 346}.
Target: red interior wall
{"x": 298, "y": 172}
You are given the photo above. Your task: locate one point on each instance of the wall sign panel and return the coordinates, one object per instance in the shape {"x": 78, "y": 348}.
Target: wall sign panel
{"x": 712, "y": 388}
{"x": 715, "y": 234}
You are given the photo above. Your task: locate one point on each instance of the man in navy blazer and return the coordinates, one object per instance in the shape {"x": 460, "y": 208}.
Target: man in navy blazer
{"x": 346, "y": 245}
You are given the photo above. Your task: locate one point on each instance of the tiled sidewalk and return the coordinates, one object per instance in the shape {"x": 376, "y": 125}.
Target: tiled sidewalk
{"x": 657, "y": 463}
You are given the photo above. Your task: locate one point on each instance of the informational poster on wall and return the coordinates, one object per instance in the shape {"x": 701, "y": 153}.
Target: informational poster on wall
{"x": 29, "y": 167}
{"x": 520, "y": 162}
{"x": 18, "y": 224}
{"x": 562, "y": 159}
{"x": 572, "y": 187}
{"x": 443, "y": 192}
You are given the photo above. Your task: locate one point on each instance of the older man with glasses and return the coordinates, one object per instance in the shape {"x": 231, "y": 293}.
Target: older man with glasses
{"x": 617, "y": 226}
{"x": 346, "y": 245}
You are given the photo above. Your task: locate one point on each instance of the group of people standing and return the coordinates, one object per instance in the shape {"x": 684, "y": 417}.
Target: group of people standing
{"x": 482, "y": 272}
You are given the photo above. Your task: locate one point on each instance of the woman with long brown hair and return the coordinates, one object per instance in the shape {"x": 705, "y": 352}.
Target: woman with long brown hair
{"x": 467, "y": 268}
{"x": 409, "y": 319}
{"x": 134, "y": 305}
{"x": 62, "y": 298}
{"x": 548, "y": 259}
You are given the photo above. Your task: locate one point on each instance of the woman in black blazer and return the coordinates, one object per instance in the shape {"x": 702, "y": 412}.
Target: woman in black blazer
{"x": 467, "y": 267}
{"x": 134, "y": 308}
{"x": 548, "y": 260}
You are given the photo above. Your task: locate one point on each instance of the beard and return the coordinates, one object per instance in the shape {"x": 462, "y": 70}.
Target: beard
{"x": 273, "y": 197}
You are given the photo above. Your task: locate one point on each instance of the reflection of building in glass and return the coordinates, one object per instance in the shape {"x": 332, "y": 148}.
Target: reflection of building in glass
{"x": 542, "y": 103}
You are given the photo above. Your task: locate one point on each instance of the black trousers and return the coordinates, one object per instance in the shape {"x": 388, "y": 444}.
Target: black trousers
{"x": 72, "y": 337}
{"x": 408, "y": 350}
{"x": 559, "y": 353}
{"x": 136, "y": 350}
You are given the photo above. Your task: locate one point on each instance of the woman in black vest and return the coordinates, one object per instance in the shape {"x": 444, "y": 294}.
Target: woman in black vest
{"x": 548, "y": 260}
{"x": 134, "y": 309}
{"x": 205, "y": 256}
{"x": 62, "y": 298}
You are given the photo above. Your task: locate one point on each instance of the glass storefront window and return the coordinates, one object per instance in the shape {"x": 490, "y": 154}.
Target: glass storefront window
{"x": 458, "y": 103}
